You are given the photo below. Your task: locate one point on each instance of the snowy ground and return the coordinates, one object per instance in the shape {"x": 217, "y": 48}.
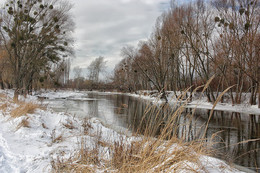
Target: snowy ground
{"x": 51, "y": 135}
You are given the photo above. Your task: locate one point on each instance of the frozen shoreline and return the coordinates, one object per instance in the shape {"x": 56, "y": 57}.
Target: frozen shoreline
{"x": 32, "y": 149}
{"x": 201, "y": 104}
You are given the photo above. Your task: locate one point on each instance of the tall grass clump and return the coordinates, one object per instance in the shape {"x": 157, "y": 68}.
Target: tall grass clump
{"x": 19, "y": 108}
{"x": 25, "y": 108}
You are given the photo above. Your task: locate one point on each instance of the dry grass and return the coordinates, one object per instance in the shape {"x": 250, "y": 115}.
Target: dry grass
{"x": 3, "y": 96}
{"x": 17, "y": 110}
{"x": 25, "y": 108}
{"x": 56, "y": 138}
{"x": 60, "y": 165}
{"x": 86, "y": 126}
{"x": 24, "y": 123}
{"x": 69, "y": 124}
{"x": 4, "y": 107}
{"x": 5, "y": 103}
{"x": 147, "y": 155}
{"x": 86, "y": 160}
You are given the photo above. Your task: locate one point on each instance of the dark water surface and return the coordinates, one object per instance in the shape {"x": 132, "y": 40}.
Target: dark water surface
{"x": 229, "y": 129}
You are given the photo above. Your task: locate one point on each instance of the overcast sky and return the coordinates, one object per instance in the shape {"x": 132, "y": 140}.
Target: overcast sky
{"x": 103, "y": 27}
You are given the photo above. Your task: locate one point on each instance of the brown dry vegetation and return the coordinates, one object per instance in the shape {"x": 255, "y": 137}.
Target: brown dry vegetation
{"x": 56, "y": 138}
{"x": 3, "y": 96}
{"x": 147, "y": 155}
{"x": 69, "y": 124}
{"x": 24, "y": 123}
{"x": 22, "y": 109}
{"x": 25, "y": 108}
{"x": 4, "y": 107}
{"x": 157, "y": 155}
{"x": 5, "y": 103}
{"x": 86, "y": 126}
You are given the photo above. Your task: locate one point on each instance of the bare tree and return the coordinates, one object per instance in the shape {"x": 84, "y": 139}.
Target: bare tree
{"x": 95, "y": 68}
{"x": 77, "y": 75}
{"x": 35, "y": 34}
{"x": 77, "y": 72}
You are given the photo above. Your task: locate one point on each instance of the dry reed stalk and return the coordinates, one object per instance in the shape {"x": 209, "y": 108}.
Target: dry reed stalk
{"x": 69, "y": 124}
{"x": 24, "y": 123}
{"x": 4, "y": 107}
{"x": 147, "y": 155}
{"x": 86, "y": 126}
{"x": 212, "y": 109}
{"x": 58, "y": 139}
{"x": 59, "y": 165}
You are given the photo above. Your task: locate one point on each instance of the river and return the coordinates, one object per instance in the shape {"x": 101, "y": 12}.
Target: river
{"x": 122, "y": 112}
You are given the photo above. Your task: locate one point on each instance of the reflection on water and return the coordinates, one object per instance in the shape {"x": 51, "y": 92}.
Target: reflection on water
{"x": 226, "y": 128}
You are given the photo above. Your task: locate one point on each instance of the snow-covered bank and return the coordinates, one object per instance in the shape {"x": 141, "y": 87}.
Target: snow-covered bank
{"x": 50, "y": 135}
{"x": 201, "y": 103}
{"x": 61, "y": 94}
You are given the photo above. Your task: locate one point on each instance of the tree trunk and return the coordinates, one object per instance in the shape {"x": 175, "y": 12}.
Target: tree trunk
{"x": 253, "y": 93}
{"x": 18, "y": 85}
{"x": 2, "y": 85}
{"x": 16, "y": 94}
{"x": 258, "y": 96}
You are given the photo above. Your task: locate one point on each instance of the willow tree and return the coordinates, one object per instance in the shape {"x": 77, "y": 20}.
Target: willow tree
{"x": 35, "y": 33}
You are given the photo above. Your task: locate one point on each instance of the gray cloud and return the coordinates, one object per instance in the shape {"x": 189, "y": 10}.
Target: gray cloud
{"x": 103, "y": 27}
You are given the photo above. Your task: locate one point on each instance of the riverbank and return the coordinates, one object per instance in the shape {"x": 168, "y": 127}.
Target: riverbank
{"x": 40, "y": 140}
{"x": 201, "y": 103}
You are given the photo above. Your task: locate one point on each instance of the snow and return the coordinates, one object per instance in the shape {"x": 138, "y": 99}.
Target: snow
{"x": 61, "y": 94}
{"x": 32, "y": 149}
{"x": 242, "y": 108}
{"x": 201, "y": 103}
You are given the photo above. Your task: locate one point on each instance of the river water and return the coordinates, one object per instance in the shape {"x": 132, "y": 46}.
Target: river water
{"x": 235, "y": 135}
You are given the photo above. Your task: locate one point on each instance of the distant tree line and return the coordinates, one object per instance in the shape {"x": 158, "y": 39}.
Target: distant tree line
{"x": 35, "y": 43}
{"x": 191, "y": 43}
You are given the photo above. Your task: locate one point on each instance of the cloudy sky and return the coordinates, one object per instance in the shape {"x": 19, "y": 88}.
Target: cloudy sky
{"x": 103, "y": 27}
